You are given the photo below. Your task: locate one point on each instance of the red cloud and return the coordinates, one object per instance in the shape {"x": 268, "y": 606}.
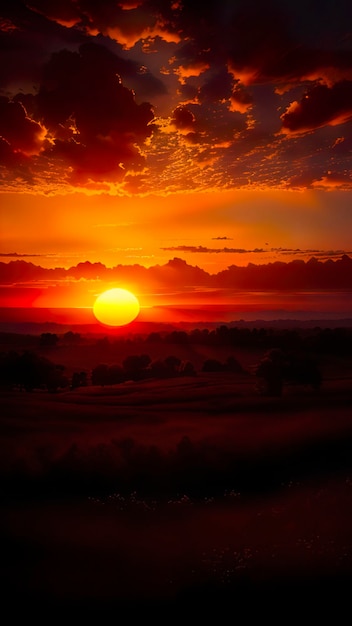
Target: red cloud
{"x": 183, "y": 119}
{"x": 320, "y": 106}
{"x": 21, "y": 134}
{"x": 94, "y": 120}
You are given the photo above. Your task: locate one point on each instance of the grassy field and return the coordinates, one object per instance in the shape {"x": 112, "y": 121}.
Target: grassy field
{"x": 187, "y": 492}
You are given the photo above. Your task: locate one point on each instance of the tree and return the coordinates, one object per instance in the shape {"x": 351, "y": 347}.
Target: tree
{"x": 71, "y": 337}
{"x": 278, "y": 367}
{"x": 177, "y": 336}
{"x": 48, "y": 340}
{"x": 100, "y": 375}
{"x": 157, "y": 369}
{"x": 79, "y": 379}
{"x": 172, "y": 364}
{"x": 212, "y": 365}
{"x": 271, "y": 371}
{"x": 301, "y": 369}
{"x": 55, "y": 378}
{"x": 135, "y": 365}
{"x": 116, "y": 374}
{"x": 29, "y": 371}
{"x": 187, "y": 369}
{"x": 8, "y": 368}
{"x": 232, "y": 365}
{"x": 154, "y": 337}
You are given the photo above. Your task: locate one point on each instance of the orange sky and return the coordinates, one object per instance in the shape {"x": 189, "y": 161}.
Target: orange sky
{"x": 212, "y": 230}
{"x": 139, "y": 132}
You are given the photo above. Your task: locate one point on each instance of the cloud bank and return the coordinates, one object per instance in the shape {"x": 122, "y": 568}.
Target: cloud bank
{"x": 177, "y": 274}
{"x": 154, "y": 97}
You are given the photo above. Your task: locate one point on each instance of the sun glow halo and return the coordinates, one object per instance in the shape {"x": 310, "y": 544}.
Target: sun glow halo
{"x": 116, "y": 307}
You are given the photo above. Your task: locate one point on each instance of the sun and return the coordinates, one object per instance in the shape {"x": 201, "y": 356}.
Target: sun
{"x": 116, "y": 307}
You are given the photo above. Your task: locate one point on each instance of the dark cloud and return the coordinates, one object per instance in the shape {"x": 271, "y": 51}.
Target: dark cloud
{"x": 235, "y": 86}
{"x": 28, "y": 43}
{"x": 93, "y": 121}
{"x": 124, "y": 21}
{"x": 64, "y": 12}
{"x": 325, "y": 254}
{"x": 205, "y": 249}
{"x": 320, "y": 106}
{"x": 176, "y": 273}
{"x": 216, "y": 86}
{"x": 241, "y": 99}
{"x": 183, "y": 119}
{"x": 21, "y": 133}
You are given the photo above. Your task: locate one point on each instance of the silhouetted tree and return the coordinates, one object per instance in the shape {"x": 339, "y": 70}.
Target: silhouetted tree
{"x": 29, "y": 371}
{"x": 271, "y": 371}
{"x": 103, "y": 342}
{"x": 48, "y": 340}
{"x": 55, "y": 378}
{"x": 116, "y": 374}
{"x": 232, "y": 365}
{"x": 187, "y": 369}
{"x": 8, "y": 369}
{"x": 135, "y": 365}
{"x": 71, "y": 337}
{"x": 172, "y": 364}
{"x": 212, "y": 365}
{"x": 157, "y": 369}
{"x": 154, "y": 338}
{"x": 302, "y": 369}
{"x": 79, "y": 379}
{"x": 177, "y": 336}
{"x": 100, "y": 375}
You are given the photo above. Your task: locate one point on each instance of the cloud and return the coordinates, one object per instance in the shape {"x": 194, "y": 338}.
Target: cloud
{"x": 320, "y": 106}
{"x": 151, "y": 97}
{"x": 94, "y": 121}
{"x": 18, "y": 255}
{"x": 333, "y": 180}
{"x": 126, "y": 22}
{"x": 204, "y": 249}
{"x": 278, "y": 251}
{"x": 23, "y": 135}
{"x": 177, "y": 274}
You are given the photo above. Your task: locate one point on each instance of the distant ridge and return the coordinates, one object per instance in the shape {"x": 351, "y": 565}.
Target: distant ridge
{"x": 145, "y": 328}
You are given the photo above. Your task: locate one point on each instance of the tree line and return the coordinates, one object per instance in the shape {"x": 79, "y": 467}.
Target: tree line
{"x": 336, "y": 341}
{"x": 28, "y": 371}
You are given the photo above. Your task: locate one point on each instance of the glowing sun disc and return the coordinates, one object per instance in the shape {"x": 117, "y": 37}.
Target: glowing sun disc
{"x": 116, "y": 307}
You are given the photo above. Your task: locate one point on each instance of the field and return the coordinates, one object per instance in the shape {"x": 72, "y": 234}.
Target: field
{"x": 188, "y": 493}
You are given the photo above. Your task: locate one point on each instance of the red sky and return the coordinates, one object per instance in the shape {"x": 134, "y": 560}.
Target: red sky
{"x": 137, "y": 132}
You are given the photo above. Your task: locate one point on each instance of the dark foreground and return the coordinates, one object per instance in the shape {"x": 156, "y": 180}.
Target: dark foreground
{"x": 176, "y": 499}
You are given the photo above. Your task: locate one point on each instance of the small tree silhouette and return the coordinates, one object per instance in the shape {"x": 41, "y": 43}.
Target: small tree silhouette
{"x": 48, "y": 340}
{"x": 100, "y": 375}
{"x": 79, "y": 379}
{"x": 271, "y": 371}
{"x": 135, "y": 366}
{"x": 71, "y": 337}
{"x": 29, "y": 371}
{"x": 303, "y": 370}
{"x": 187, "y": 369}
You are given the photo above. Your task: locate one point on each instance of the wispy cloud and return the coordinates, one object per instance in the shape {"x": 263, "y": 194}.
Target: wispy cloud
{"x": 19, "y": 255}
{"x": 278, "y": 251}
{"x": 206, "y": 250}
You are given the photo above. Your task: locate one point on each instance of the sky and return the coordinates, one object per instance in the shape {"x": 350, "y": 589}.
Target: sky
{"x": 137, "y": 132}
